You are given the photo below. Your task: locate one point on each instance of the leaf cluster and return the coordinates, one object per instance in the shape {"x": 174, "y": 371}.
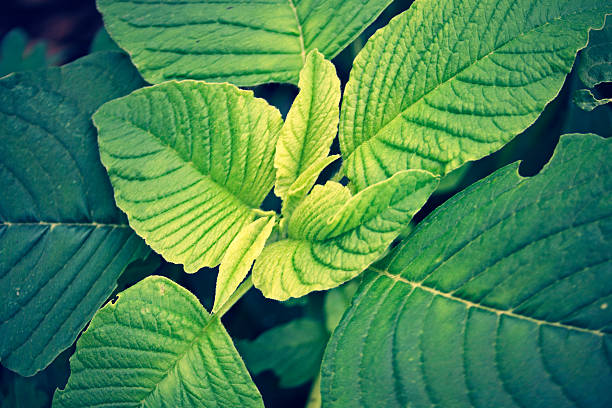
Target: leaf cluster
{"x": 500, "y": 297}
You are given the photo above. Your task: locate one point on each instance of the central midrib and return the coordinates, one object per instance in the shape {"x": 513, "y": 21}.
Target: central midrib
{"x": 182, "y": 354}
{"x": 493, "y": 310}
{"x": 300, "y": 32}
{"x": 204, "y": 176}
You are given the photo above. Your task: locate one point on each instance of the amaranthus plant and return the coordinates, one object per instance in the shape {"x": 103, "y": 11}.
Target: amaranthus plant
{"x": 501, "y": 297}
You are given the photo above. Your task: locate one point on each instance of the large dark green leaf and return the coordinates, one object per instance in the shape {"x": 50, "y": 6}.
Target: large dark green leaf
{"x": 63, "y": 243}
{"x": 500, "y": 298}
{"x": 596, "y": 66}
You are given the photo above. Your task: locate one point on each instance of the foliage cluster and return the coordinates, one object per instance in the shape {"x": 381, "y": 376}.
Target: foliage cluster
{"x": 501, "y": 296}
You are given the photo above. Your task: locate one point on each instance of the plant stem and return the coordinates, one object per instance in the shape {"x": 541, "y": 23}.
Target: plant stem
{"x": 242, "y": 289}
{"x": 314, "y": 398}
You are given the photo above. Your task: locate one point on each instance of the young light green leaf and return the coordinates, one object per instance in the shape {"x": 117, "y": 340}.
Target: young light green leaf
{"x": 239, "y": 257}
{"x": 453, "y": 80}
{"x": 596, "y": 64}
{"x": 292, "y": 351}
{"x": 501, "y": 297}
{"x": 585, "y": 100}
{"x": 156, "y": 346}
{"x": 333, "y": 237}
{"x": 311, "y": 124}
{"x": 63, "y": 242}
{"x": 302, "y": 185}
{"x": 240, "y": 41}
{"x": 189, "y": 162}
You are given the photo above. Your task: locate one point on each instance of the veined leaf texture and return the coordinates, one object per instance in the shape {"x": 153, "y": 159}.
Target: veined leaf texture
{"x": 453, "y": 80}
{"x": 333, "y": 236}
{"x": 63, "y": 242}
{"x": 245, "y": 42}
{"x": 189, "y": 162}
{"x": 501, "y": 297}
{"x": 156, "y": 346}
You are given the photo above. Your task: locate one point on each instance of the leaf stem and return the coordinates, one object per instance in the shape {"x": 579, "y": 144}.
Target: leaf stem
{"x": 242, "y": 289}
{"x": 314, "y": 398}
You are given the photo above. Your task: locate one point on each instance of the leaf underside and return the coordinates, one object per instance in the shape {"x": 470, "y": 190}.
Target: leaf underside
{"x": 240, "y": 41}
{"x": 453, "y": 80}
{"x": 63, "y": 243}
{"x": 156, "y": 346}
{"x": 189, "y": 161}
{"x": 501, "y": 297}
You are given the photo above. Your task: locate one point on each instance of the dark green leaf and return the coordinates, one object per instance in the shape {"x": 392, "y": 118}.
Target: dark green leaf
{"x": 63, "y": 243}
{"x": 292, "y": 351}
{"x": 500, "y": 298}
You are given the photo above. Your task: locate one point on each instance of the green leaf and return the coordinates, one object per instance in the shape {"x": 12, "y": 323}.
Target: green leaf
{"x": 585, "y": 100}
{"x": 239, "y": 257}
{"x": 302, "y": 185}
{"x": 189, "y": 162}
{"x": 502, "y": 297}
{"x": 453, "y": 80}
{"x": 596, "y": 64}
{"x": 156, "y": 346}
{"x": 292, "y": 351}
{"x": 311, "y": 124}
{"x": 239, "y": 41}
{"x": 333, "y": 237}
{"x": 63, "y": 243}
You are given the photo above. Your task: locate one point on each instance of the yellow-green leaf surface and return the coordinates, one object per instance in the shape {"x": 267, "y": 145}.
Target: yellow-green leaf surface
{"x": 63, "y": 242}
{"x": 502, "y": 297}
{"x": 189, "y": 162}
{"x": 239, "y": 257}
{"x": 156, "y": 346}
{"x": 334, "y": 236}
{"x": 302, "y": 185}
{"x": 245, "y": 42}
{"x": 311, "y": 124}
{"x": 451, "y": 81}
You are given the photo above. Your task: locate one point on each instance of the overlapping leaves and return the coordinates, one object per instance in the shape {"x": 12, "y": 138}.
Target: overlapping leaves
{"x": 501, "y": 298}
{"x": 63, "y": 242}
{"x": 333, "y": 236}
{"x": 245, "y": 42}
{"x": 190, "y": 164}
